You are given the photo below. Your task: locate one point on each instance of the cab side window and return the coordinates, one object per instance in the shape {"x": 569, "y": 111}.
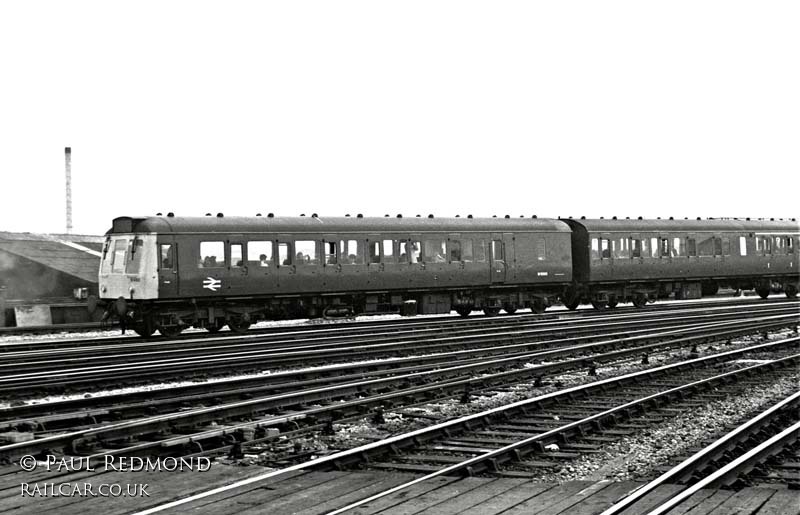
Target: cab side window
{"x": 165, "y": 253}
{"x": 212, "y": 254}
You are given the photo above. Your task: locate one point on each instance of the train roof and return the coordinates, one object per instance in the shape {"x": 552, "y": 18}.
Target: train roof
{"x": 734, "y": 225}
{"x": 323, "y": 224}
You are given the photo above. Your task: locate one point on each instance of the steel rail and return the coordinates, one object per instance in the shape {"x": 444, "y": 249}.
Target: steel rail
{"x": 38, "y": 414}
{"x": 291, "y": 334}
{"x": 175, "y": 364}
{"x": 247, "y": 407}
{"x": 704, "y": 455}
{"x": 734, "y": 468}
{"x": 444, "y": 427}
{"x": 316, "y": 341}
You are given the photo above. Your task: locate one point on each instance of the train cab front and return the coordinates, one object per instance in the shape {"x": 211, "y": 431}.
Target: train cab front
{"x": 128, "y": 276}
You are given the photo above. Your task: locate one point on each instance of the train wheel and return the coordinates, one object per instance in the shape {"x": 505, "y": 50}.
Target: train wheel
{"x": 464, "y": 311}
{"x": 491, "y": 312}
{"x": 599, "y": 305}
{"x": 213, "y": 329}
{"x": 170, "y": 331}
{"x": 510, "y": 309}
{"x": 612, "y": 302}
{"x": 640, "y": 300}
{"x": 763, "y": 292}
{"x": 538, "y": 306}
{"x": 572, "y": 305}
{"x": 791, "y": 291}
{"x": 238, "y": 325}
{"x": 145, "y": 328}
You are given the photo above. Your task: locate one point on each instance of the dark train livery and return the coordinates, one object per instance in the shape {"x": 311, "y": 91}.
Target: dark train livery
{"x": 168, "y": 273}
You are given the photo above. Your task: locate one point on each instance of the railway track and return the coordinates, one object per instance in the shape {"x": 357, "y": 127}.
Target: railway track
{"x": 458, "y": 369}
{"x": 443, "y": 449}
{"x": 71, "y": 368}
{"x": 726, "y": 461}
{"x": 302, "y": 330}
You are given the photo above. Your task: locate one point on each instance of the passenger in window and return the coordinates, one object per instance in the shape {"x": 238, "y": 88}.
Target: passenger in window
{"x": 262, "y": 260}
{"x": 352, "y": 259}
{"x": 301, "y": 259}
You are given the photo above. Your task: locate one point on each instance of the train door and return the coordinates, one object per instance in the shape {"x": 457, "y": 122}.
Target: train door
{"x": 332, "y": 263}
{"x": 168, "y": 276}
{"x": 285, "y": 267}
{"x": 238, "y": 271}
{"x": 498, "y": 259}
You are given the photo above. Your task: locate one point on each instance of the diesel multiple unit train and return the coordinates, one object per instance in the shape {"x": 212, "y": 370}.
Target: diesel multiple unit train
{"x": 167, "y": 273}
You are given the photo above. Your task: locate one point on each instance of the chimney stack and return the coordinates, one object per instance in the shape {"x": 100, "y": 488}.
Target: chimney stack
{"x": 68, "y": 159}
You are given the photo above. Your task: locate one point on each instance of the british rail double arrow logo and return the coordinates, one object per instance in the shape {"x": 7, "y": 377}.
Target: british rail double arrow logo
{"x": 212, "y": 284}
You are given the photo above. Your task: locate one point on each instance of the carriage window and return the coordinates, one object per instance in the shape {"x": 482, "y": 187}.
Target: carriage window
{"x": 306, "y": 252}
{"x": 259, "y": 253}
{"x": 409, "y": 250}
{"x": 766, "y": 246}
{"x": 595, "y": 252}
{"x": 691, "y": 247}
{"x": 388, "y": 251}
{"x": 497, "y": 250}
{"x": 664, "y": 247}
{"x": 789, "y": 245}
{"x": 705, "y": 246}
{"x": 236, "y": 254}
{"x": 374, "y": 251}
{"x": 717, "y": 246}
{"x": 352, "y": 253}
{"x": 541, "y": 249}
{"x": 621, "y": 248}
{"x": 677, "y": 248}
{"x": 284, "y": 254}
{"x": 118, "y": 259}
{"x": 330, "y": 252}
{"x": 778, "y": 245}
{"x": 636, "y": 248}
{"x": 166, "y": 256}
{"x": 654, "y": 247}
{"x": 742, "y": 246}
{"x": 212, "y": 254}
{"x": 433, "y": 251}
{"x": 726, "y": 246}
{"x": 466, "y": 251}
{"x": 605, "y": 248}
{"x": 455, "y": 251}
{"x": 480, "y": 251}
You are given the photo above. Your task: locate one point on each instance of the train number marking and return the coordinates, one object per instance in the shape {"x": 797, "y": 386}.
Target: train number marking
{"x": 212, "y": 284}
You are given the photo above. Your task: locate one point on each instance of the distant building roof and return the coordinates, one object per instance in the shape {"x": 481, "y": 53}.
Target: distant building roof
{"x": 76, "y": 255}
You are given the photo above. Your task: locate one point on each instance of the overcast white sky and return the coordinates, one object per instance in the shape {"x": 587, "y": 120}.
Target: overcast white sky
{"x": 554, "y": 108}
